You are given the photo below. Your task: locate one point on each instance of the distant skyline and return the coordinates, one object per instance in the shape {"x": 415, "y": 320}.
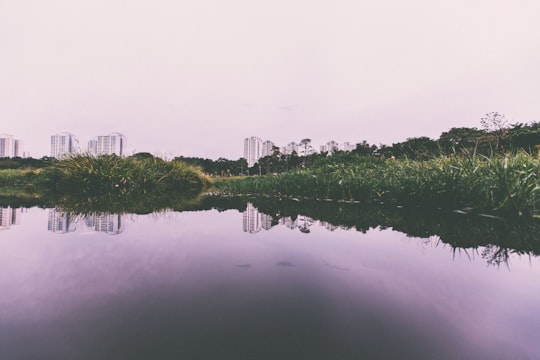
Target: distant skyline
{"x": 195, "y": 78}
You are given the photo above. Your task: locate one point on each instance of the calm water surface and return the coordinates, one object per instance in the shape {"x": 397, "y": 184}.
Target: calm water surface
{"x": 244, "y": 285}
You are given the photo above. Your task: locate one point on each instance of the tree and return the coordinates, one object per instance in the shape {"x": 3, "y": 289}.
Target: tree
{"x": 526, "y": 137}
{"x": 495, "y": 124}
{"x": 420, "y": 148}
{"x": 305, "y": 143}
{"x": 364, "y": 148}
{"x": 457, "y": 139}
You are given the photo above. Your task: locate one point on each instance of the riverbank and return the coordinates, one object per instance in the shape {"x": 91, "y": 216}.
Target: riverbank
{"x": 509, "y": 185}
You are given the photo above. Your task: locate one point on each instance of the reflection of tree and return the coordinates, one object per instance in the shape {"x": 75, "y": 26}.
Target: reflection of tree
{"x": 305, "y": 224}
{"x": 496, "y": 255}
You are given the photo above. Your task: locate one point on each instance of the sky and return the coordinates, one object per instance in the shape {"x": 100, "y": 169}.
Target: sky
{"x": 195, "y": 78}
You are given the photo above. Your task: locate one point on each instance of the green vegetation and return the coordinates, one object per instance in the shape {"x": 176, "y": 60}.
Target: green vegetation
{"x": 113, "y": 175}
{"x": 508, "y": 184}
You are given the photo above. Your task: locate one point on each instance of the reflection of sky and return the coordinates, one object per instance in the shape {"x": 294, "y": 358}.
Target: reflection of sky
{"x": 194, "y": 283}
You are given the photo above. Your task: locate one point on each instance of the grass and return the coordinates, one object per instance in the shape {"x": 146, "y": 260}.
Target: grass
{"x": 498, "y": 184}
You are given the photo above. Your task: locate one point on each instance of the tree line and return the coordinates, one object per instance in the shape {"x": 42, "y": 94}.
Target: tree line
{"x": 495, "y": 136}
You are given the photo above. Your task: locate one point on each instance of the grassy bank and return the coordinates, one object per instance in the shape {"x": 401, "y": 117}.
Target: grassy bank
{"x": 498, "y": 184}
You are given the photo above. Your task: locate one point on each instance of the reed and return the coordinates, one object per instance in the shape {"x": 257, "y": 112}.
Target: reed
{"x": 498, "y": 184}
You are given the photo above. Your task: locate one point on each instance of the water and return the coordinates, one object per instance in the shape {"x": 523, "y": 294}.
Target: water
{"x": 236, "y": 283}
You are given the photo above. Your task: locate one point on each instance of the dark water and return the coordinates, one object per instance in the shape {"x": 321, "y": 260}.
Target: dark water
{"x": 231, "y": 282}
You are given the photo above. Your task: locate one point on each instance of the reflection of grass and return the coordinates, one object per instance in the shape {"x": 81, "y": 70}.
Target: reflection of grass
{"x": 16, "y": 177}
{"x": 510, "y": 184}
{"x": 81, "y": 204}
{"x": 112, "y": 204}
{"x": 8, "y": 191}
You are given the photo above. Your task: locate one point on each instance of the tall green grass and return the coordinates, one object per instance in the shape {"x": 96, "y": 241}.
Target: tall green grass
{"x": 497, "y": 184}
{"x": 85, "y": 174}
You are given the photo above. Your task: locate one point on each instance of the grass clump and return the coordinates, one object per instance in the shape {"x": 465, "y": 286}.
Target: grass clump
{"x": 86, "y": 174}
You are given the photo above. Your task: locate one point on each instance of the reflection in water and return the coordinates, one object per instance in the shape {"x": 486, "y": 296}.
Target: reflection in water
{"x": 62, "y": 222}
{"x": 8, "y": 216}
{"x": 254, "y": 221}
{"x": 111, "y": 224}
{"x": 491, "y": 238}
{"x": 175, "y": 288}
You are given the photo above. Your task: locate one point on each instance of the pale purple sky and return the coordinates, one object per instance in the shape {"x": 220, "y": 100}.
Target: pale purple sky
{"x": 196, "y": 77}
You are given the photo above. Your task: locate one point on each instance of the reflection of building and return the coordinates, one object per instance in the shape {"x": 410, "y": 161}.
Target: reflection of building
{"x": 62, "y": 145}
{"x": 329, "y": 226}
{"x": 289, "y": 222}
{"x": 61, "y": 222}
{"x": 111, "y": 224}
{"x": 10, "y": 147}
{"x": 266, "y": 221}
{"x": 251, "y": 219}
{"x": 254, "y": 221}
{"x": 8, "y": 217}
{"x": 108, "y": 145}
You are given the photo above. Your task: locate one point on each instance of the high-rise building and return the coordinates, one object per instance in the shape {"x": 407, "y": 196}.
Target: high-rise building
{"x": 330, "y": 147}
{"x": 10, "y": 147}
{"x": 267, "y": 148}
{"x": 290, "y": 148}
{"x": 63, "y": 145}
{"x": 347, "y": 146}
{"x": 252, "y": 150}
{"x": 108, "y": 145}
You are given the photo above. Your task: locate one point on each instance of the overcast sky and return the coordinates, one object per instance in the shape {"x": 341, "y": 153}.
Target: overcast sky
{"x": 196, "y": 77}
